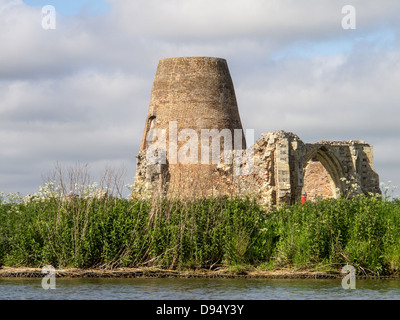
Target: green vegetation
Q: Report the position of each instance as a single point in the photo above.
(101, 231)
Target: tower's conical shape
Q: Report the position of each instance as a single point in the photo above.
(190, 96)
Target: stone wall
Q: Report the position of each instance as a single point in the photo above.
(283, 168)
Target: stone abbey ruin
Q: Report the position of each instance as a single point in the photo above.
(194, 146)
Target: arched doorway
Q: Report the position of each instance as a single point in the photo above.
(322, 173)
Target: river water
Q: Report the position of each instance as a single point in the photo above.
(197, 289)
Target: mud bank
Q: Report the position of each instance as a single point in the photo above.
(7, 272)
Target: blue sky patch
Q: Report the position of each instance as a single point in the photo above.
(379, 40)
(73, 7)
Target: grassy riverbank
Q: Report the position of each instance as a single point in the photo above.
(107, 232)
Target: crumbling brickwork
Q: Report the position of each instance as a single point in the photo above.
(197, 94)
(317, 181)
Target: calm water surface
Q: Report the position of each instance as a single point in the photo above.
(197, 289)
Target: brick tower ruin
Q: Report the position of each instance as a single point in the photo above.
(193, 127)
(191, 96)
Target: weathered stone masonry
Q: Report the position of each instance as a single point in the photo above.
(285, 167)
(198, 93)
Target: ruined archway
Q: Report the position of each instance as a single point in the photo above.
(322, 173)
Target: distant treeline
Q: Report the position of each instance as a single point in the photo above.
(106, 231)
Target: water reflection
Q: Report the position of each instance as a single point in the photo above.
(198, 289)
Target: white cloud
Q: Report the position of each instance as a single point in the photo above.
(182, 19)
(81, 92)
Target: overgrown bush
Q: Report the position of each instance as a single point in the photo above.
(362, 231)
(99, 229)
(119, 232)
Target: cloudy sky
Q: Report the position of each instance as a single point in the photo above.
(80, 92)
